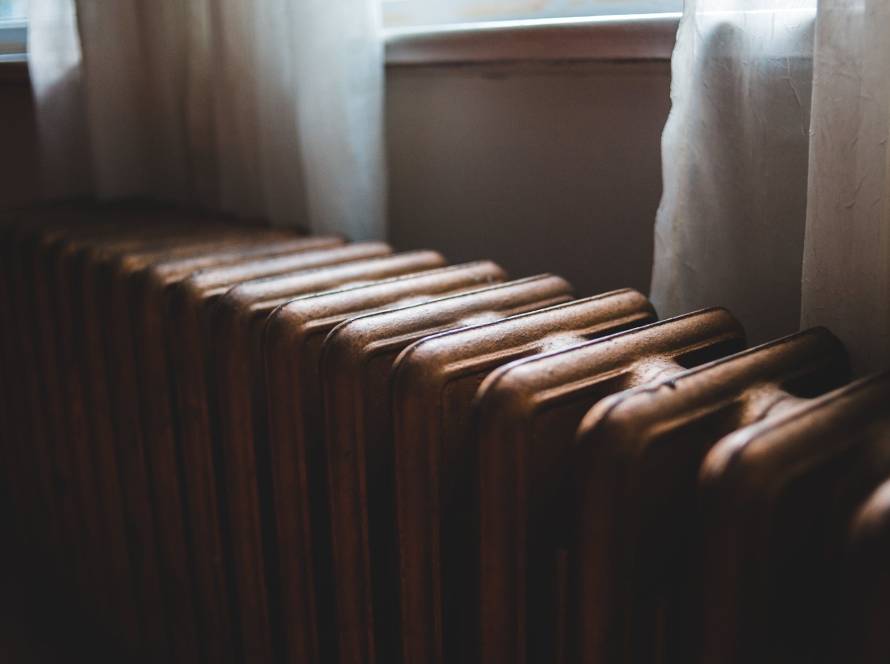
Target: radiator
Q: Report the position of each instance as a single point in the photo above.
(230, 443)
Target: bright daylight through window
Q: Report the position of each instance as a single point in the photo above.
(13, 29)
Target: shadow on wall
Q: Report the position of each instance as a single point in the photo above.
(541, 168)
(18, 140)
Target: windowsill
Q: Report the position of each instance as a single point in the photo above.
(598, 38)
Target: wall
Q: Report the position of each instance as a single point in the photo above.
(542, 168)
(18, 139)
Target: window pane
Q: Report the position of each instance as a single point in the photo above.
(13, 29)
(13, 9)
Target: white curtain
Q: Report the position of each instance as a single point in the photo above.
(268, 108)
(730, 226)
(778, 214)
(846, 259)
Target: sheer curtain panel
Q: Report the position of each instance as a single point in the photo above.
(846, 260)
(776, 178)
(269, 108)
(730, 225)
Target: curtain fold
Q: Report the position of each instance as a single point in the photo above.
(730, 225)
(846, 260)
(56, 74)
(269, 108)
(775, 160)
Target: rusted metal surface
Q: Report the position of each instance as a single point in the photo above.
(105, 435)
(187, 333)
(26, 418)
(635, 465)
(145, 380)
(61, 258)
(236, 349)
(355, 371)
(131, 330)
(21, 432)
(9, 448)
(30, 422)
(21, 402)
(20, 230)
(44, 268)
(294, 461)
(40, 359)
(98, 336)
(527, 414)
(864, 608)
(434, 383)
(231, 444)
(777, 501)
(23, 437)
(63, 323)
(86, 413)
(85, 270)
(357, 438)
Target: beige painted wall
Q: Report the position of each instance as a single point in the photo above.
(543, 168)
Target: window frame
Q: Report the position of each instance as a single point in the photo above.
(413, 13)
(621, 38)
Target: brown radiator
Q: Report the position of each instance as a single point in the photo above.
(228, 443)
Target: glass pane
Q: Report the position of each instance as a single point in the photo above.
(13, 29)
(13, 9)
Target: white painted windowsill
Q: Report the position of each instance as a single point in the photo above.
(627, 37)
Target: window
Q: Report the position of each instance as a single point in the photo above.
(13, 30)
(443, 32)
(404, 13)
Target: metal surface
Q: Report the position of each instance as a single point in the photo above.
(635, 465)
(434, 382)
(864, 606)
(65, 266)
(32, 410)
(236, 350)
(131, 329)
(40, 355)
(26, 431)
(98, 335)
(777, 499)
(226, 443)
(526, 417)
(145, 382)
(85, 411)
(52, 260)
(357, 436)
(187, 334)
(294, 467)
(97, 339)
(108, 351)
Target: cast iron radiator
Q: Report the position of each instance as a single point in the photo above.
(229, 443)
